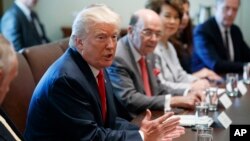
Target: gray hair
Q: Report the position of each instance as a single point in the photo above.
(220, 1)
(90, 15)
(7, 55)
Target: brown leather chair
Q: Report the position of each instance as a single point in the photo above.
(33, 62)
(41, 57)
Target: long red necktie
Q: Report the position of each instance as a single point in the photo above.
(102, 93)
(144, 73)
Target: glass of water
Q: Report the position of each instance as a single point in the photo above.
(232, 84)
(204, 133)
(201, 114)
(212, 98)
(246, 73)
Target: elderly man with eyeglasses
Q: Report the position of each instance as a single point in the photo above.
(132, 74)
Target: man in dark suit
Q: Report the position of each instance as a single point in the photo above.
(74, 102)
(21, 26)
(218, 43)
(136, 90)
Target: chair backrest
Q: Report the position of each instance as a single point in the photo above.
(33, 62)
(41, 57)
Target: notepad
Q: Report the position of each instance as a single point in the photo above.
(189, 120)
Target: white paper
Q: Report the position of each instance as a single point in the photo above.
(189, 120)
(242, 88)
(225, 100)
(224, 120)
(221, 91)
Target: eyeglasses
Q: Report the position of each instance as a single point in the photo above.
(149, 33)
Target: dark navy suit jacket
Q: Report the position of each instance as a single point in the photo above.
(66, 106)
(209, 50)
(19, 30)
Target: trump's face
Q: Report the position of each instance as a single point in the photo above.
(226, 11)
(99, 46)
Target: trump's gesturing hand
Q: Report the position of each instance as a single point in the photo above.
(164, 128)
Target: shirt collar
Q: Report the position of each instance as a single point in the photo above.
(221, 27)
(94, 71)
(24, 9)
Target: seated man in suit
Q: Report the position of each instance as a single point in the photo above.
(218, 43)
(132, 74)
(74, 99)
(21, 25)
(8, 71)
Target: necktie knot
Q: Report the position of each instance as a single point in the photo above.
(100, 75)
(142, 62)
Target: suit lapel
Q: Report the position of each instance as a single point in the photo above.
(218, 38)
(236, 47)
(27, 23)
(85, 69)
(169, 63)
(130, 59)
(111, 111)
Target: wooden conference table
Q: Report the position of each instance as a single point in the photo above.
(238, 112)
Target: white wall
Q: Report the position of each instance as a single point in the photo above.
(6, 4)
(57, 13)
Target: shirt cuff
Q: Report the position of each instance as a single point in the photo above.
(142, 135)
(167, 103)
(186, 91)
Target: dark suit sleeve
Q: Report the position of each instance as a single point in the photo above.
(11, 30)
(242, 47)
(204, 46)
(74, 109)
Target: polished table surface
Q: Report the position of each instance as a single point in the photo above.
(238, 112)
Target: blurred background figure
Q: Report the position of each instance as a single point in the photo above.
(132, 72)
(21, 25)
(171, 73)
(8, 71)
(218, 43)
(182, 39)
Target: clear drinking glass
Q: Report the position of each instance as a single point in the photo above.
(204, 133)
(201, 114)
(212, 98)
(246, 73)
(232, 84)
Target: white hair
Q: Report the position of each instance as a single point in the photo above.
(89, 16)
